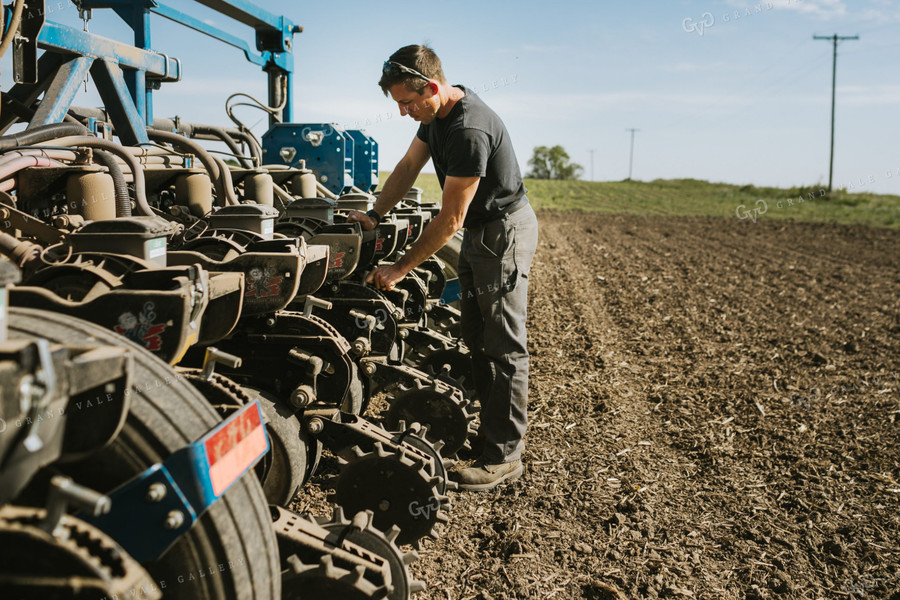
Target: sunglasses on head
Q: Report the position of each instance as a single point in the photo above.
(391, 67)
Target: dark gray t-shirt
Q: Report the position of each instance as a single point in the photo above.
(472, 141)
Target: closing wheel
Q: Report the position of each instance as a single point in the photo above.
(361, 532)
(325, 580)
(441, 409)
(416, 436)
(453, 366)
(230, 552)
(397, 489)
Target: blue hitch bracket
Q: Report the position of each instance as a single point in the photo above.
(152, 510)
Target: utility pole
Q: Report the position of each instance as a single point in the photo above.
(591, 152)
(834, 39)
(631, 154)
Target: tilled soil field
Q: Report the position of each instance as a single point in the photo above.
(714, 414)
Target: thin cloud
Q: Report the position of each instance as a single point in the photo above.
(869, 95)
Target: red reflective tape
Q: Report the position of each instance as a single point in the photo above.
(234, 448)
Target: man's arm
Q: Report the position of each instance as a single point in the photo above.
(398, 182)
(458, 194)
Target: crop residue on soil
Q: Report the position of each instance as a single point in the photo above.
(714, 414)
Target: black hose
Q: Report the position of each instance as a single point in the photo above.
(40, 134)
(23, 112)
(249, 139)
(223, 135)
(137, 173)
(224, 194)
(123, 199)
(211, 132)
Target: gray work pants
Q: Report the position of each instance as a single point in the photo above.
(493, 274)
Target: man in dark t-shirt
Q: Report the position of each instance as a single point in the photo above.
(483, 192)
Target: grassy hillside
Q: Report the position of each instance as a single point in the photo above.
(691, 197)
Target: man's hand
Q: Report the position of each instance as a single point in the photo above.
(385, 278)
(367, 222)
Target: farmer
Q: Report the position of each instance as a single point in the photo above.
(483, 193)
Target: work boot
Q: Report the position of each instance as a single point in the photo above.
(482, 476)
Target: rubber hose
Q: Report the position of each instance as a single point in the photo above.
(137, 174)
(223, 135)
(224, 192)
(226, 179)
(55, 154)
(23, 162)
(23, 112)
(123, 200)
(284, 196)
(251, 141)
(41, 134)
(212, 132)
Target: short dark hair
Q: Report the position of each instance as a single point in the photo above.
(422, 59)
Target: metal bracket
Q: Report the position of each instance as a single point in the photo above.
(171, 497)
(25, 65)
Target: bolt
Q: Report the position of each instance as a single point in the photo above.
(360, 346)
(370, 368)
(156, 492)
(404, 333)
(300, 398)
(315, 426)
(384, 505)
(174, 519)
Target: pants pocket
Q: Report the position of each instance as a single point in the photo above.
(492, 239)
(509, 269)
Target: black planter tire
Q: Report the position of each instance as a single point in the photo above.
(231, 551)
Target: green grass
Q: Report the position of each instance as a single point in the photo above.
(695, 198)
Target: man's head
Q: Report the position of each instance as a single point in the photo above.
(413, 77)
(413, 66)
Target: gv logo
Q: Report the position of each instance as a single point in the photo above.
(381, 317)
(706, 20)
(743, 212)
(424, 510)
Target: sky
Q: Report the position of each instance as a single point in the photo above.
(723, 90)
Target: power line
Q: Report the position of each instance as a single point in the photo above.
(835, 39)
(631, 154)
